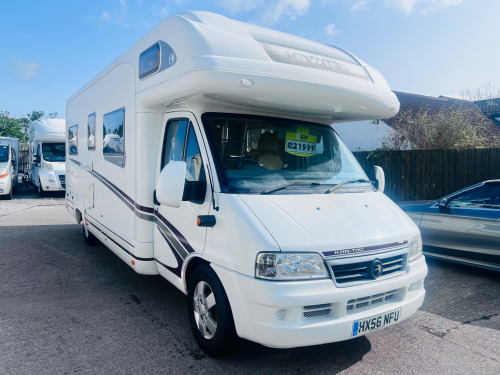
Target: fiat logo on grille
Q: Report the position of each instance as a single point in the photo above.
(376, 269)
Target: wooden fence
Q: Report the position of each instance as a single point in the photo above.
(430, 174)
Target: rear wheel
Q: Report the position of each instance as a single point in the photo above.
(210, 315)
(88, 237)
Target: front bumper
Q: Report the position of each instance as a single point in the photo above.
(5, 185)
(52, 180)
(273, 313)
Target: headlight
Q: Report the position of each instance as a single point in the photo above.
(290, 266)
(47, 166)
(415, 245)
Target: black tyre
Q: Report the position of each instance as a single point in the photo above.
(210, 315)
(41, 192)
(9, 196)
(88, 237)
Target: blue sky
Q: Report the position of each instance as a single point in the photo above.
(49, 48)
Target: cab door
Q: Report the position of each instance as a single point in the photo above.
(176, 232)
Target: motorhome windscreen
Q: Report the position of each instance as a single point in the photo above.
(263, 155)
(4, 154)
(54, 152)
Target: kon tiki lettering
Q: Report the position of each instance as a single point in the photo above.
(319, 61)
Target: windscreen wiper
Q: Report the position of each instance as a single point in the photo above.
(340, 184)
(270, 191)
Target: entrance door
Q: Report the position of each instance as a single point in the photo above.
(176, 233)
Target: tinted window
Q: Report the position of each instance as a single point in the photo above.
(113, 132)
(54, 152)
(487, 196)
(4, 154)
(91, 131)
(149, 61)
(72, 139)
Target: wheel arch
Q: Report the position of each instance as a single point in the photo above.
(189, 266)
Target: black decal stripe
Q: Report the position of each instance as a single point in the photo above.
(144, 208)
(142, 212)
(129, 253)
(95, 226)
(360, 250)
(109, 230)
(130, 200)
(174, 230)
(110, 187)
(177, 270)
(172, 239)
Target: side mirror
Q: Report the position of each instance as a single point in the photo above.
(442, 204)
(170, 186)
(380, 177)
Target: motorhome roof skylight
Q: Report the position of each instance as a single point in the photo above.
(149, 61)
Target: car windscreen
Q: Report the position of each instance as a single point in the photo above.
(4, 154)
(54, 152)
(259, 154)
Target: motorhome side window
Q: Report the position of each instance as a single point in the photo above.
(73, 139)
(177, 148)
(113, 133)
(149, 61)
(91, 132)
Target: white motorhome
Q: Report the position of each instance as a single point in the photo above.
(47, 145)
(205, 154)
(9, 166)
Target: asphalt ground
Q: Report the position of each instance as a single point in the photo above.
(69, 308)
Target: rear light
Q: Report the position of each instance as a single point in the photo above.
(4, 175)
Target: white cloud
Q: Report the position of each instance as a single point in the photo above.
(285, 8)
(105, 16)
(23, 71)
(331, 30)
(237, 6)
(118, 17)
(423, 6)
(359, 6)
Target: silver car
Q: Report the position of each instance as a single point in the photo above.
(463, 227)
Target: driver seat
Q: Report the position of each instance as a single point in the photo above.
(268, 148)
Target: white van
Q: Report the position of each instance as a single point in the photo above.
(9, 166)
(227, 179)
(47, 145)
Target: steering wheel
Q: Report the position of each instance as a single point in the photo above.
(242, 160)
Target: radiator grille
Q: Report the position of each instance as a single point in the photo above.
(62, 180)
(361, 272)
(369, 301)
(317, 310)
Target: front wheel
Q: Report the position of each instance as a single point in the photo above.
(210, 315)
(41, 192)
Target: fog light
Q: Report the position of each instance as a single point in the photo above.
(280, 314)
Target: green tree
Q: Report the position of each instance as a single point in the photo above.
(457, 128)
(11, 126)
